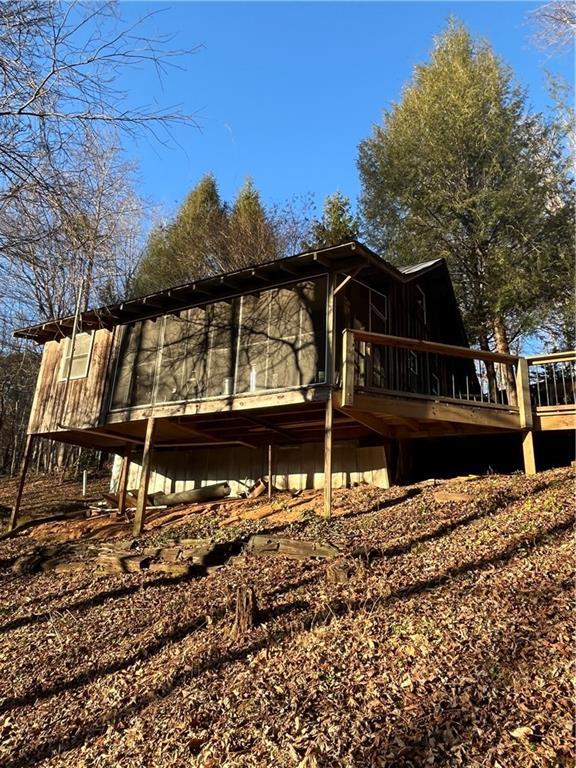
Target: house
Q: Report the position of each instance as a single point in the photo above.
(304, 368)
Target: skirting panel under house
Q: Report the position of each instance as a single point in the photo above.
(296, 467)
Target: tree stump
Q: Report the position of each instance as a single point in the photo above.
(338, 572)
(246, 611)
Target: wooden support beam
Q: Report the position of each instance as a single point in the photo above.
(113, 436)
(528, 453)
(341, 265)
(256, 275)
(348, 368)
(370, 422)
(526, 416)
(123, 482)
(20, 491)
(328, 435)
(330, 369)
(429, 409)
(348, 278)
(144, 478)
(270, 469)
(523, 394)
(194, 432)
(286, 266)
(261, 423)
(554, 421)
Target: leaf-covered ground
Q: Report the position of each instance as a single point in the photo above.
(450, 645)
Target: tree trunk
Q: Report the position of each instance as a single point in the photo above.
(490, 370)
(502, 346)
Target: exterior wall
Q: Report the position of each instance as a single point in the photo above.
(83, 397)
(297, 467)
(420, 309)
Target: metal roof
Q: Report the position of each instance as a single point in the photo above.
(424, 266)
(339, 258)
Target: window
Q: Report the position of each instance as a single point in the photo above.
(421, 305)
(80, 356)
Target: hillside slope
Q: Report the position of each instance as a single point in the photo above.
(449, 645)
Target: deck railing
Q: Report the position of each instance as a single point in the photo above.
(413, 367)
(552, 380)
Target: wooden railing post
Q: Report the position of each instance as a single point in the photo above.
(144, 478)
(20, 491)
(523, 394)
(348, 368)
(526, 416)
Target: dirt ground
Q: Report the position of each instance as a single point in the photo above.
(48, 495)
(449, 644)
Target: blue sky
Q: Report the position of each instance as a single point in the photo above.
(285, 91)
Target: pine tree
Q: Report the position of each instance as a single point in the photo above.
(190, 247)
(337, 225)
(460, 168)
(208, 237)
(251, 238)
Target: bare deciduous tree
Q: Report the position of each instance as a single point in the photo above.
(556, 24)
(51, 244)
(59, 68)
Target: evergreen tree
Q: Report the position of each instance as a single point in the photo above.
(337, 225)
(251, 236)
(207, 237)
(188, 248)
(460, 168)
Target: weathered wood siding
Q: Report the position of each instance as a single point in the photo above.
(78, 405)
(417, 310)
(296, 467)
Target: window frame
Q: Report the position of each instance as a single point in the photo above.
(65, 363)
(422, 304)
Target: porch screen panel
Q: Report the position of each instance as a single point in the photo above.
(312, 341)
(253, 346)
(284, 333)
(145, 362)
(182, 370)
(122, 394)
(282, 339)
(220, 320)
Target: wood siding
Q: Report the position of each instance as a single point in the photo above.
(84, 398)
(296, 467)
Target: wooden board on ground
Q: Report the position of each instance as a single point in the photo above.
(172, 569)
(275, 546)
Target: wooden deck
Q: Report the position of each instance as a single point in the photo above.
(501, 393)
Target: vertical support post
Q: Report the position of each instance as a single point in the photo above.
(525, 414)
(123, 483)
(331, 370)
(270, 468)
(328, 457)
(144, 478)
(84, 482)
(20, 491)
(528, 453)
(348, 372)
